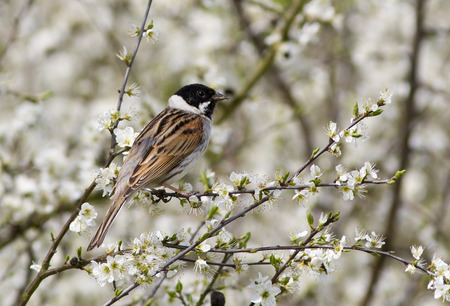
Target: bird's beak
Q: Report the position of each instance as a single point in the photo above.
(219, 97)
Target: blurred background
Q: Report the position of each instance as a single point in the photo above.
(286, 78)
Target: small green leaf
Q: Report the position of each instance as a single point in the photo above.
(118, 292)
(244, 239)
(204, 237)
(376, 113)
(399, 174)
(227, 215)
(315, 152)
(336, 216)
(79, 252)
(179, 287)
(310, 218)
(275, 262)
(355, 110)
(356, 135)
(172, 294)
(212, 211)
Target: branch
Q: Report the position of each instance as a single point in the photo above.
(265, 63)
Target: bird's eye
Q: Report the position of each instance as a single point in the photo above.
(201, 93)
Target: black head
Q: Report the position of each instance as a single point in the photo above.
(198, 97)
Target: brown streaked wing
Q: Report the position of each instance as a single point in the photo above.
(170, 146)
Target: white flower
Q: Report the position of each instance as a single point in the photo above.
(201, 266)
(335, 149)
(36, 267)
(301, 195)
(323, 218)
(150, 33)
(105, 121)
(204, 247)
(340, 247)
(105, 178)
(133, 90)
(85, 219)
(224, 237)
(102, 273)
(360, 234)
(441, 268)
(368, 169)
(385, 97)
(239, 180)
(259, 181)
(124, 56)
(333, 132)
(374, 241)
(441, 288)
(315, 171)
(295, 234)
(347, 192)
(410, 269)
(265, 292)
(238, 258)
(416, 251)
(223, 190)
(125, 137)
(87, 212)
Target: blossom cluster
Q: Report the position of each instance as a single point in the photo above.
(440, 281)
(107, 120)
(369, 240)
(358, 130)
(140, 265)
(105, 178)
(85, 219)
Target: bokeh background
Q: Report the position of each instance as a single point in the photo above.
(59, 72)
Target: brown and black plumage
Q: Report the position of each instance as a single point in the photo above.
(165, 149)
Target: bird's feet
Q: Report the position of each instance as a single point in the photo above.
(183, 193)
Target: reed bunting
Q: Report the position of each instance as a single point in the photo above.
(165, 150)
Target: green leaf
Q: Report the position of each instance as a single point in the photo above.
(212, 211)
(244, 239)
(172, 294)
(118, 292)
(315, 152)
(310, 218)
(204, 237)
(275, 262)
(336, 216)
(376, 113)
(179, 287)
(356, 110)
(79, 252)
(399, 174)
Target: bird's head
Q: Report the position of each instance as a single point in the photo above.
(196, 98)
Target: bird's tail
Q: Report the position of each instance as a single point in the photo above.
(111, 215)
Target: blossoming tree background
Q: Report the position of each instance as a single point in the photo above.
(300, 183)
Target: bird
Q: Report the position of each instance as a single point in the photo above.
(165, 150)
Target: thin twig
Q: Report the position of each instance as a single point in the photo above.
(155, 289)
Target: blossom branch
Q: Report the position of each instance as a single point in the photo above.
(128, 71)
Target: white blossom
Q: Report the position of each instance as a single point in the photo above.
(265, 292)
(125, 137)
